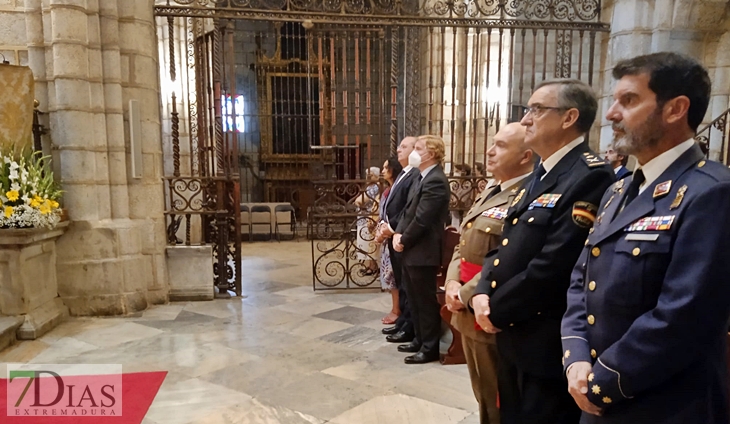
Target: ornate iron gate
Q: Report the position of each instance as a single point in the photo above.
(302, 96)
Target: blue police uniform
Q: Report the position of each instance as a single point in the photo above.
(649, 299)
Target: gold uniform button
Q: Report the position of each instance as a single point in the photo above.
(512, 325)
(494, 284)
(488, 229)
(531, 219)
(514, 221)
(463, 242)
(505, 242)
(496, 262)
(463, 260)
(468, 225)
(596, 252)
(592, 285)
(701, 164)
(636, 251)
(593, 353)
(591, 319)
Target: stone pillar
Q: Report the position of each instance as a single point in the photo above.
(102, 53)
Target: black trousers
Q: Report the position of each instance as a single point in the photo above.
(404, 322)
(420, 282)
(529, 399)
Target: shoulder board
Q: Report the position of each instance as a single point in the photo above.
(715, 170)
(592, 160)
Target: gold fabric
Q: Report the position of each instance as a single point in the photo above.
(16, 108)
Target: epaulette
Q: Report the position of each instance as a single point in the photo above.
(713, 169)
(592, 160)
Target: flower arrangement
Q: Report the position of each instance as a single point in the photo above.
(28, 194)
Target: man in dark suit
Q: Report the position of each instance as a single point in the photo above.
(618, 163)
(521, 295)
(395, 205)
(644, 335)
(419, 235)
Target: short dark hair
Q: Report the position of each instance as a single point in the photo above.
(575, 94)
(466, 169)
(672, 75)
(479, 167)
(394, 166)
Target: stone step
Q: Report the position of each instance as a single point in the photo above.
(8, 327)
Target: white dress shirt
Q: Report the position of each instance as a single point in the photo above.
(553, 160)
(509, 183)
(655, 167)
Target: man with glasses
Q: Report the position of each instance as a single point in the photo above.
(521, 295)
(649, 301)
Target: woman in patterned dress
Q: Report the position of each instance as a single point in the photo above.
(391, 169)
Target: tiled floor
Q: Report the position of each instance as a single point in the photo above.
(281, 354)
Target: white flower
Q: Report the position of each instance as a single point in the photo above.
(14, 165)
(13, 175)
(15, 186)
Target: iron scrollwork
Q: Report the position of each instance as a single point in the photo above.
(341, 226)
(562, 10)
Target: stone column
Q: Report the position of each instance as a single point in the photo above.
(140, 81)
(103, 53)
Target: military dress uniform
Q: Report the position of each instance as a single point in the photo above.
(649, 300)
(481, 231)
(527, 278)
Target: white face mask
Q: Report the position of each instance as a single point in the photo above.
(414, 159)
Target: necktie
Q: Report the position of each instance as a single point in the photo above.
(633, 190)
(536, 177)
(494, 192)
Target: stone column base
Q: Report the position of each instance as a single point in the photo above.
(190, 270)
(42, 319)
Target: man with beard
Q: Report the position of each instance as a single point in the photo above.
(618, 163)
(644, 336)
(521, 293)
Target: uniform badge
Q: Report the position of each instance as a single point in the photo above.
(545, 201)
(662, 189)
(618, 186)
(584, 214)
(495, 213)
(680, 196)
(609, 202)
(652, 223)
(518, 198)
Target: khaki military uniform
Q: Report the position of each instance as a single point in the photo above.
(481, 231)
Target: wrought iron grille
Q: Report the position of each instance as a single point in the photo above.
(286, 92)
(714, 139)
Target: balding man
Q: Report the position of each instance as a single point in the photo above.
(510, 162)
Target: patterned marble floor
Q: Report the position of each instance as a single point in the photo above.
(281, 354)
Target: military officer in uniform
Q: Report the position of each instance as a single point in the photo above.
(510, 162)
(521, 295)
(644, 336)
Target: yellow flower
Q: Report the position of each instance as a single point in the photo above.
(12, 195)
(54, 204)
(45, 209)
(37, 198)
(35, 203)
(8, 211)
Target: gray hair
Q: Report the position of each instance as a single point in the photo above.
(576, 94)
